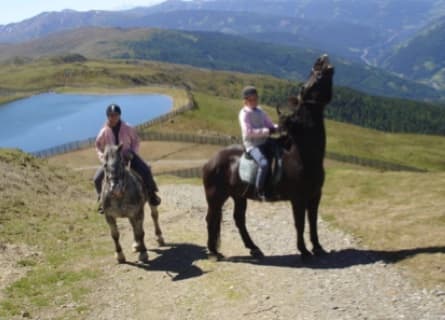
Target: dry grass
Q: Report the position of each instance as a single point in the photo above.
(401, 213)
(162, 156)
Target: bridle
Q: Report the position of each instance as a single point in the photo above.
(115, 176)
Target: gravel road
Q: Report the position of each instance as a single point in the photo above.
(351, 282)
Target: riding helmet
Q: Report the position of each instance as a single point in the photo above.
(113, 108)
(249, 91)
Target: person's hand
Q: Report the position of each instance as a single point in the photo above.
(274, 130)
(128, 156)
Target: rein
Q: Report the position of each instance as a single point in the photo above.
(120, 187)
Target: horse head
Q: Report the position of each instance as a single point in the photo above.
(318, 88)
(314, 95)
(114, 170)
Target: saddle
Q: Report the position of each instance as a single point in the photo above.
(248, 168)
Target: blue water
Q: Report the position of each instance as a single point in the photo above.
(47, 120)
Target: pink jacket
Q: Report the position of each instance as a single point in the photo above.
(255, 126)
(128, 137)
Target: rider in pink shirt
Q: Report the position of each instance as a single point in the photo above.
(256, 127)
(115, 131)
(127, 137)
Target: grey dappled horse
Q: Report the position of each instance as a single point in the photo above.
(124, 196)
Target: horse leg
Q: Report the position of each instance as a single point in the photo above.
(158, 231)
(298, 208)
(239, 214)
(213, 218)
(138, 232)
(115, 235)
(313, 217)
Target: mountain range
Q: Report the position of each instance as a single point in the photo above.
(401, 36)
(213, 51)
(350, 28)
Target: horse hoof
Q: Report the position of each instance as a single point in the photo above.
(306, 256)
(256, 253)
(143, 257)
(215, 256)
(120, 257)
(319, 251)
(161, 242)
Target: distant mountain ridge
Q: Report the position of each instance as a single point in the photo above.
(358, 29)
(214, 51)
(423, 57)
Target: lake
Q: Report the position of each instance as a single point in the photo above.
(47, 120)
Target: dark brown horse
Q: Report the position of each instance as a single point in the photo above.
(304, 143)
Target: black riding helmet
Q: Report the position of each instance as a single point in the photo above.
(113, 108)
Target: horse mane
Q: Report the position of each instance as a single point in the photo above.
(300, 116)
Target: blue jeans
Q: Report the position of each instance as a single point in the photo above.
(263, 168)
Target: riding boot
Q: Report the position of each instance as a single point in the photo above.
(260, 182)
(152, 188)
(144, 171)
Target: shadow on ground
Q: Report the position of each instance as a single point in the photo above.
(337, 259)
(176, 259)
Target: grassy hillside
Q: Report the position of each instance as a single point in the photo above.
(217, 95)
(216, 51)
(397, 215)
(218, 115)
(46, 210)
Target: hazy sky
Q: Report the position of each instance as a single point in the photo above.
(18, 10)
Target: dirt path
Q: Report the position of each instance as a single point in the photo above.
(180, 283)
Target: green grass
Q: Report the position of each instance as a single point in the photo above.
(42, 287)
(421, 151)
(50, 210)
(214, 115)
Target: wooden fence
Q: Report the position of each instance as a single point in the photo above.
(90, 142)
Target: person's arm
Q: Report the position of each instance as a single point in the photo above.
(247, 130)
(100, 144)
(268, 123)
(135, 141)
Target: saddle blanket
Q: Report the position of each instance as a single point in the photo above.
(248, 169)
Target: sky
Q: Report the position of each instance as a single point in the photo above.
(18, 10)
